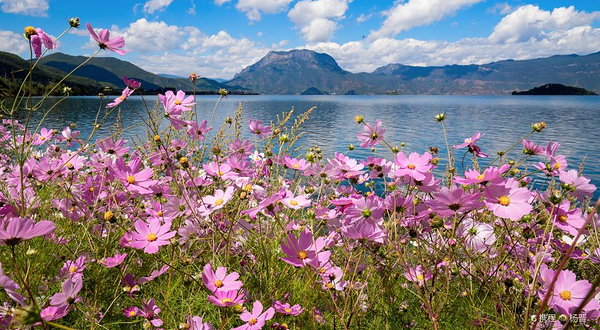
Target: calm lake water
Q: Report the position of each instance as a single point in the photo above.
(572, 121)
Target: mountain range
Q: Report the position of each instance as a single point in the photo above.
(302, 71)
(295, 71)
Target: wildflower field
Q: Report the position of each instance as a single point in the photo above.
(250, 230)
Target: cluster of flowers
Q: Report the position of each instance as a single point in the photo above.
(343, 225)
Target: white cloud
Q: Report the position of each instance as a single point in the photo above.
(13, 42)
(530, 21)
(253, 8)
(363, 18)
(365, 56)
(145, 36)
(25, 7)
(502, 8)
(317, 19)
(192, 9)
(156, 5)
(407, 15)
(220, 2)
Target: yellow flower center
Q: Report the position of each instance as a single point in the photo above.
(159, 213)
(72, 209)
(295, 166)
(252, 321)
(557, 166)
(131, 179)
(42, 138)
(562, 218)
(219, 201)
(411, 166)
(108, 215)
(69, 165)
(504, 200)
(566, 295)
(468, 140)
(293, 202)
(73, 269)
(288, 310)
(178, 102)
(480, 177)
(156, 138)
(218, 283)
(330, 285)
(302, 255)
(226, 300)
(420, 277)
(29, 31)
(220, 173)
(132, 313)
(152, 237)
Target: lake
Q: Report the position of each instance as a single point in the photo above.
(573, 121)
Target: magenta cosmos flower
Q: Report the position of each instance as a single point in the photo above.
(470, 143)
(508, 200)
(227, 298)
(255, 320)
(151, 236)
(371, 135)
(220, 280)
(196, 323)
(578, 186)
(133, 179)
(415, 166)
(69, 293)
(567, 291)
(21, 229)
(124, 95)
(256, 127)
(38, 37)
(286, 309)
(104, 41)
(418, 275)
(450, 201)
(299, 252)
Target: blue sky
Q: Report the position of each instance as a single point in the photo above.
(218, 38)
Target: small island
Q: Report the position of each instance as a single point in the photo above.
(555, 89)
(313, 91)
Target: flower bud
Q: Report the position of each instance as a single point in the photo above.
(440, 117)
(359, 119)
(193, 77)
(29, 31)
(395, 149)
(26, 315)
(538, 127)
(228, 120)
(283, 138)
(351, 147)
(74, 22)
(223, 92)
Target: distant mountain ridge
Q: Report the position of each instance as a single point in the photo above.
(292, 72)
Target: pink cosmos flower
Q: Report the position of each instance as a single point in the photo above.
(297, 202)
(196, 323)
(74, 269)
(219, 199)
(286, 309)
(132, 83)
(299, 251)
(44, 136)
(344, 167)
(508, 200)
(104, 41)
(112, 262)
(565, 219)
(529, 148)
(151, 236)
(39, 38)
(414, 166)
(133, 179)
(365, 230)
(554, 163)
(491, 174)
(418, 275)
(256, 127)
(567, 291)
(11, 288)
(371, 135)
(226, 298)
(332, 279)
(255, 319)
(470, 143)
(364, 209)
(21, 229)
(578, 186)
(69, 293)
(52, 313)
(295, 164)
(150, 311)
(220, 280)
(450, 201)
(198, 130)
(175, 105)
(478, 236)
(124, 95)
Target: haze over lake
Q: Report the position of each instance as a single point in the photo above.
(572, 121)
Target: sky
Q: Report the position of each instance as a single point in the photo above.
(218, 38)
